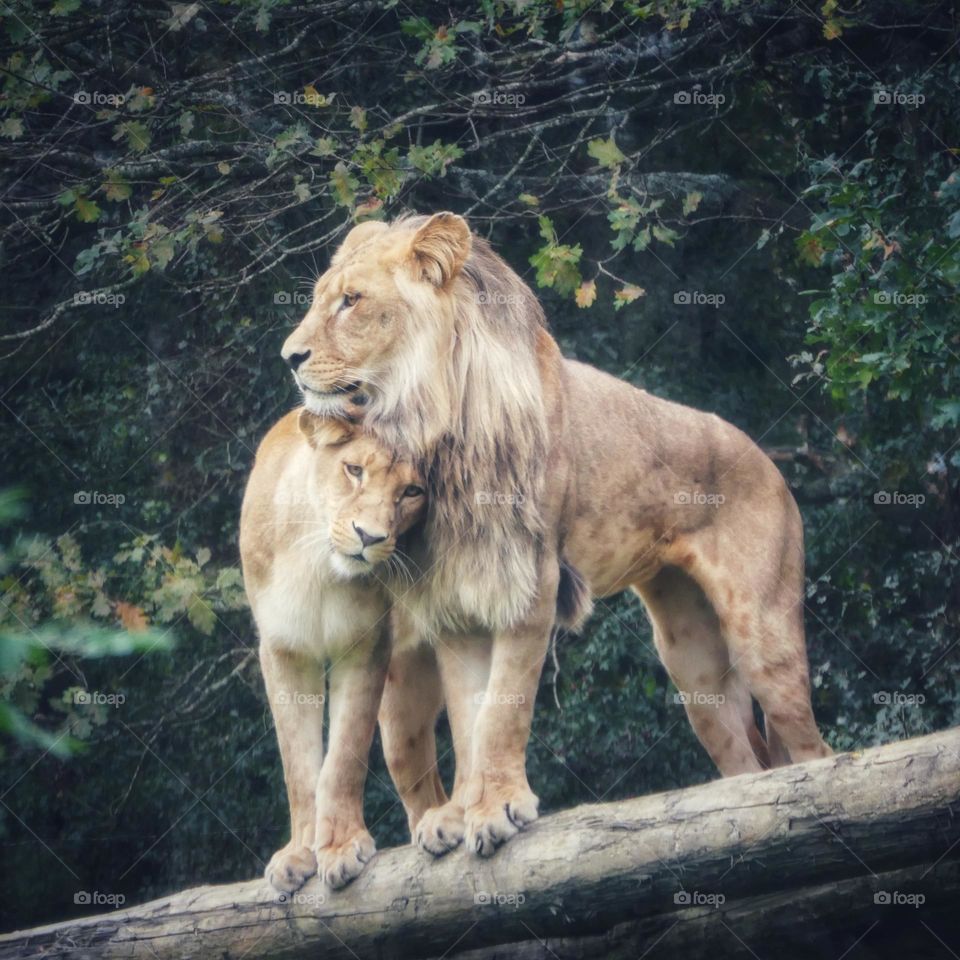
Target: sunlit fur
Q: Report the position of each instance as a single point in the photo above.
(443, 344)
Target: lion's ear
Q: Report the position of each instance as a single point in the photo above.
(324, 431)
(359, 235)
(440, 248)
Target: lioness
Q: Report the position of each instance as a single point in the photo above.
(424, 331)
(323, 510)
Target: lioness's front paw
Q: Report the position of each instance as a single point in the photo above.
(339, 863)
(441, 829)
(503, 812)
(290, 868)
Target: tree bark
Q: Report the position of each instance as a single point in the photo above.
(806, 860)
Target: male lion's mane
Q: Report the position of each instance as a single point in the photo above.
(476, 421)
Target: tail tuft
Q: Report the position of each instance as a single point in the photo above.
(574, 604)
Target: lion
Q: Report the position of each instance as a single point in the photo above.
(324, 510)
(548, 481)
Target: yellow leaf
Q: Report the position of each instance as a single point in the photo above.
(586, 293)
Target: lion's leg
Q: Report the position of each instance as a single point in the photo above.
(497, 798)
(342, 843)
(295, 686)
(464, 662)
(690, 644)
(760, 605)
(412, 700)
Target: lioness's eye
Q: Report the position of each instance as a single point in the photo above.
(349, 299)
(354, 469)
(414, 491)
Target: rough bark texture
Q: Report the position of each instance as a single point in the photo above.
(791, 860)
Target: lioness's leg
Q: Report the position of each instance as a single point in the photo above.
(464, 662)
(498, 800)
(342, 843)
(689, 641)
(295, 686)
(412, 701)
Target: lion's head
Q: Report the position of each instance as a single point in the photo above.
(371, 497)
(422, 332)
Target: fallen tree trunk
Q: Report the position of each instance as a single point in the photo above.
(839, 848)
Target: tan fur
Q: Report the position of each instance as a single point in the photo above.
(316, 594)
(533, 460)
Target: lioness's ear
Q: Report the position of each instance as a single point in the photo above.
(359, 235)
(324, 431)
(440, 248)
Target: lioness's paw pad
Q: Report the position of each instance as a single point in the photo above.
(290, 868)
(341, 863)
(441, 829)
(493, 822)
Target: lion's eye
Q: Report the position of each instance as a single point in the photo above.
(354, 469)
(412, 490)
(349, 299)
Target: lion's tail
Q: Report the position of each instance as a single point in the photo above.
(574, 604)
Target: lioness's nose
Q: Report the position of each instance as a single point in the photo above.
(367, 539)
(295, 359)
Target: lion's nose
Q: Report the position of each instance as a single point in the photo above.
(367, 539)
(295, 359)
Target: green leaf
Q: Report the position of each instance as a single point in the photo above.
(691, 201)
(86, 210)
(11, 128)
(606, 153)
(344, 185)
(136, 134)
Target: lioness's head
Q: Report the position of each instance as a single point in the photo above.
(373, 496)
(381, 314)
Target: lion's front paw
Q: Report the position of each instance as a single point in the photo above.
(503, 812)
(290, 868)
(339, 862)
(441, 829)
